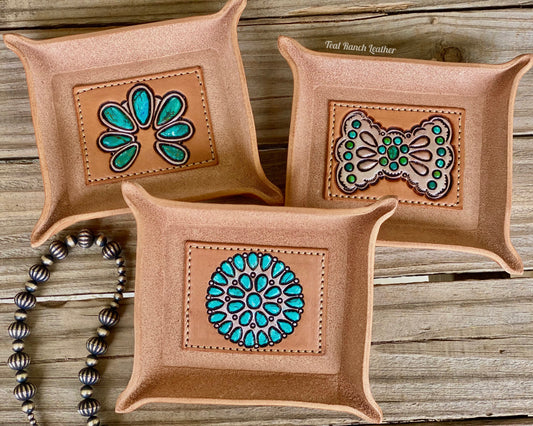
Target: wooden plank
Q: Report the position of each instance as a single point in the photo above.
(441, 351)
(269, 77)
(42, 13)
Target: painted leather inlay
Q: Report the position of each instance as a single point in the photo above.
(254, 298)
(150, 125)
(371, 155)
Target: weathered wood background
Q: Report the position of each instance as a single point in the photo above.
(453, 336)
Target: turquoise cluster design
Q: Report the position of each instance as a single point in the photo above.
(144, 110)
(254, 300)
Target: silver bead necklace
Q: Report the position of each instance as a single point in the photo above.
(97, 346)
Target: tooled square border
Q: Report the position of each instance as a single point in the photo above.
(332, 143)
(200, 82)
(287, 251)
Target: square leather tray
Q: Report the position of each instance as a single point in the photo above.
(437, 135)
(253, 305)
(163, 103)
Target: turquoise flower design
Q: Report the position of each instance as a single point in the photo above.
(254, 300)
(143, 110)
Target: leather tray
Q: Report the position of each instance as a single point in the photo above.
(163, 103)
(436, 135)
(253, 305)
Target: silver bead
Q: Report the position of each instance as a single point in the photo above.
(114, 305)
(91, 360)
(86, 391)
(24, 391)
(108, 317)
(71, 241)
(20, 315)
(25, 300)
(121, 270)
(58, 250)
(111, 250)
(100, 240)
(28, 407)
(47, 260)
(21, 376)
(18, 361)
(122, 279)
(93, 421)
(18, 330)
(31, 286)
(17, 345)
(102, 332)
(89, 376)
(96, 346)
(117, 297)
(120, 288)
(39, 273)
(88, 407)
(85, 238)
(119, 261)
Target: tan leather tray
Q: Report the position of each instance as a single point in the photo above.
(165, 104)
(436, 135)
(253, 305)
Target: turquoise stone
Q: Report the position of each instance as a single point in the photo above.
(404, 149)
(219, 278)
(245, 318)
(238, 261)
(439, 140)
(262, 338)
(266, 260)
(272, 308)
(348, 155)
(234, 307)
(217, 317)
(349, 167)
(432, 184)
(274, 334)
(176, 131)
(393, 166)
(292, 315)
(279, 267)
(117, 117)
(352, 134)
(350, 145)
(440, 162)
(287, 277)
(436, 130)
(174, 152)
(215, 291)
(253, 260)
(225, 327)
(293, 290)
(141, 105)
(249, 339)
(253, 301)
(227, 269)
(437, 174)
(397, 140)
(393, 152)
(403, 161)
(382, 149)
(351, 178)
(125, 157)
(169, 110)
(441, 152)
(261, 282)
(356, 124)
(214, 304)
(115, 141)
(285, 326)
(260, 319)
(235, 292)
(295, 302)
(272, 292)
(236, 335)
(245, 281)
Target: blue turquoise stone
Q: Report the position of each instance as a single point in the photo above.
(352, 134)
(214, 304)
(217, 317)
(292, 315)
(117, 118)
(174, 152)
(274, 334)
(397, 140)
(236, 335)
(441, 152)
(287, 277)
(262, 338)
(266, 260)
(141, 105)
(440, 162)
(295, 302)
(215, 291)
(238, 261)
(272, 292)
(432, 184)
(249, 339)
(227, 269)
(272, 308)
(115, 141)
(436, 130)
(285, 326)
(235, 292)
(279, 267)
(261, 282)
(234, 307)
(245, 318)
(176, 131)
(245, 281)
(125, 157)
(293, 290)
(261, 319)
(169, 110)
(219, 278)
(225, 327)
(254, 301)
(253, 260)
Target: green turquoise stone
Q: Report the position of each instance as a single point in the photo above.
(292, 315)
(393, 152)
(440, 162)
(260, 319)
(382, 149)
(348, 155)
(225, 327)
(169, 110)
(351, 178)
(115, 141)
(404, 149)
(356, 124)
(253, 301)
(141, 105)
(393, 166)
(383, 161)
(272, 292)
(214, 304)
(272, 308)
(174, 152)
(432, 184)
(398, 140)
(262, 338)
(403, 161)
(387, 140)
(274, 334)
(439, 140)
(441, 152)
(125, 157)
(349, 167)
(285, 326)
(236, 335)
(245, 318)
(249, 339)
(176, 131)
(350, 145)
(437, 174)
(219, 316)
(115, 116)
(352, 134)
(436, 130)
(234, 307)
(261, 282)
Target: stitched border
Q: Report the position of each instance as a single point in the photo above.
(332, 147)
(138, 80)
(265, 250)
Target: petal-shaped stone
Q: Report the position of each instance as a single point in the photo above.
(217, 317)
(115, 140)
(366, 165)
(419, 168)
(266, 260)
(287, 277)
(114, 116)
(125, 158)
(295, 302)
(293, 290)
(225, 327)
(178, 131)
(253, 260)
(261, 282)
(274, 334)
(174, 153)
(292, 315)
(285, 326)
(214, 304)
(245, 318)
(236, 335)
(262, 338)
(249, 339)
(219, 278)
(227, 268)
(235, 292)
(215, 291)
(234, 307)
(238, 261)
(246, 282)
(142, 105)
(261, 319)
(172, 107)
(278, 268)
(272, 292)
(272, 308)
